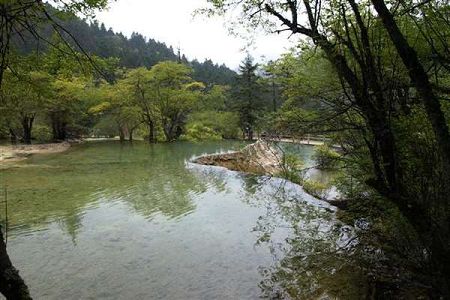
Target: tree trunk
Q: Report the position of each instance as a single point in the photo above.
(151, 132)
(12, 286)
(130, 135)
(385, 145)
(420, 80)
(27, 126)
(13, 136)
(274, 98)
(59, 129)
(250, 134)
(170, 130)
(121, 134)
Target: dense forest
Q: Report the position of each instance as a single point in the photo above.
(372, 77)
(84, 80)
(132, 52)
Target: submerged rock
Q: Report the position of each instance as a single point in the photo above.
(257, 158)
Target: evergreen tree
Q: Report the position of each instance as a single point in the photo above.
(248, 96)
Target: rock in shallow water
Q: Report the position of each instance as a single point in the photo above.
(258, 158)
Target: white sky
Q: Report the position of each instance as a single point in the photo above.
(172, 22)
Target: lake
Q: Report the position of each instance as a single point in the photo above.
(106, 220)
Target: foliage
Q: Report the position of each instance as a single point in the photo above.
(372, 75)
(199, 132)
(315, 188)
(325, 157)
(224, 124)
(42, 133)
(291, 168)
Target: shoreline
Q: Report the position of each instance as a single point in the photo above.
(259, 159)
(308, 142)
(20, 152)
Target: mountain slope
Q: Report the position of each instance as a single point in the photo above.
(135, 51)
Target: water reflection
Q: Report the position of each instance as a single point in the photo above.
(138, 222)
(151, 178)
(311, 251)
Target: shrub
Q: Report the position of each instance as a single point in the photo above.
(326, 158)
(223, 124)
(42, 133)
(198, 132)
(317, 189)
(291, 168)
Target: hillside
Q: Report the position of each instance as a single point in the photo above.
(134, 51)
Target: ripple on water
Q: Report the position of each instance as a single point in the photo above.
(144, 223)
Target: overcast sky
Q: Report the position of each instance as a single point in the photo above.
(171, 22)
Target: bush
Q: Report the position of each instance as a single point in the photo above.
(222, 124)
(326, 158)
(291, 168)
(317, 189)
(199, 132)
(42, 133)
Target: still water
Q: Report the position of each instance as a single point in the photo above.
(135, 221)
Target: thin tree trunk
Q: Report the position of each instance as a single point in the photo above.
(27, 126)
(58, 128)
(151, 132)
(13, 136)
(250, 134)
(12, 286)
(130, 135)
(121, 134)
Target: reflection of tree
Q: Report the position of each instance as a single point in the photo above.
(308, 247)
(211, 176)
(169, 196)
(72, 223)
(251, 183)
(150, 178)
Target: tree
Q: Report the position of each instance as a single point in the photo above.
(248, 96)
(375, 65)
(175, 95)
(117, 103)
(137, 82)
(419, 79)
(24, 93)
(18, 18)
(67, 107)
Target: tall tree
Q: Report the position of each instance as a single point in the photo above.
(17, 17)
(419, 78)
(175, 95)
(138, 83)
(248, 96)
(366, 60)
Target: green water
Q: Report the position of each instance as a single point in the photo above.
(112, 221)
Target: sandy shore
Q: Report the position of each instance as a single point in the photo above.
(14, 153)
